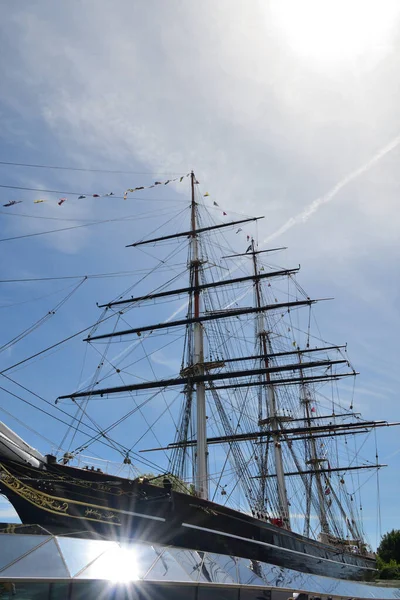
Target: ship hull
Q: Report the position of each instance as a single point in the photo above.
(84, 502)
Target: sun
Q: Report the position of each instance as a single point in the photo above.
(122, 565)
(335, 30)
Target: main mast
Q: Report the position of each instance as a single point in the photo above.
(316, 465)
(273, 420)
(201, 482)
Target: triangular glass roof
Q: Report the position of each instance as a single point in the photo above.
(167, 568)
(15, 546)
(79, 553)
(43, 562)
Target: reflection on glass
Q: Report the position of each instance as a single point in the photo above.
(44, 561)
(228, 564)
(167, 568)
(14, 546)
(120, 564)
(78, 553)
(191, 561)
(247, 574)
(213, 568)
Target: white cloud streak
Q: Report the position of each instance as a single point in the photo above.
(305, 214)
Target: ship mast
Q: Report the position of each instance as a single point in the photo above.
(201, 482)
(273, 420)
(275, 369)
(315, 463)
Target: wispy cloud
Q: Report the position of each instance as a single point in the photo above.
(306, 213)
(170, 362)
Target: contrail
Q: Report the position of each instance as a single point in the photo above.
(313, 207)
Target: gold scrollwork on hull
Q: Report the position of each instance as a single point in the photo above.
(38, 498)
(73, 508)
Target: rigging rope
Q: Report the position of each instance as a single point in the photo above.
(42, 320)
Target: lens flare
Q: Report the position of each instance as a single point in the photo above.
(335, 30)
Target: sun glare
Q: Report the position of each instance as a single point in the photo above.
(335, 30)
(122, 565)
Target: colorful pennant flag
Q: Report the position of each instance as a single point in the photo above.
(60, 201)
(12, 202)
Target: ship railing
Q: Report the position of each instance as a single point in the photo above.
(110, 467)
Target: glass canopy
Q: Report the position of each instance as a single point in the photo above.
(36, 564)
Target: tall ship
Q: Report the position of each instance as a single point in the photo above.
(251, 454)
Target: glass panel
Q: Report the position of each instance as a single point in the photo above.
(78, 553)
(191, 561)
(119, 564)
(146, 556)
(167, 568)
(271, 574)
(228, 564)
(288, 578)
(250, 572)
(45, 561)
(213, 570)
(14, 546)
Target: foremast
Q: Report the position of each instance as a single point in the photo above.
(197, 366)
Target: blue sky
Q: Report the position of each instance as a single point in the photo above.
(277, 110)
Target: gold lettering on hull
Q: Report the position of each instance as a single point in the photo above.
(108, 516)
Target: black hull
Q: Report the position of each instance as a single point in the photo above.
(69, 500)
